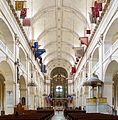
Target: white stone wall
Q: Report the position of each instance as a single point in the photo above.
(9, 53)
(106, 67)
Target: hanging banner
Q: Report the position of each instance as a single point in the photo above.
(88, 31)
(95, 12)
(79, 52)
(74, 69)
(92, 19)
(35, 45)
(39, 52)
(27, 22)
(23, 13)
(84, 40)
(19, 5)
(98, 6)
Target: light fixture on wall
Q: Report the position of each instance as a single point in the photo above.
(9, 92)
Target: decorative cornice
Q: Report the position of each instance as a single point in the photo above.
(100, 19)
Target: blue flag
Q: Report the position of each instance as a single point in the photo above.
(35, 45)
(39, 52)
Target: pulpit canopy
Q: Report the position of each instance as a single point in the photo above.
(93, 81)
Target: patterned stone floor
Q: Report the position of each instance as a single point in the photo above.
(58, 116)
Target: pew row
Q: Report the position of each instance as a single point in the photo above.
(82, 115)
(30, 115)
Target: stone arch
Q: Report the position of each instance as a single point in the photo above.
(6, 36)
(2, 90)
(111, 35)
(23, 90)
(7, 86)
(111, 84)
(7, 70)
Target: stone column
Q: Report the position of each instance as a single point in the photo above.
(108, 92)
(9, 97)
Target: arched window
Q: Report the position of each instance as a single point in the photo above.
(59, 89)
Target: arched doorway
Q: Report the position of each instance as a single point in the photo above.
(23, 90)
(6, 88)
(59, 87)
(115, 91)
(111, 84)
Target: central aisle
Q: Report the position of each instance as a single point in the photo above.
(58, 116)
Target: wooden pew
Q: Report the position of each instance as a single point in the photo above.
(21, 114)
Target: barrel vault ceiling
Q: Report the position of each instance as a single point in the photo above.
(57, 25)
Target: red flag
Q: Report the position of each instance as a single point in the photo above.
(95, 12)
(95, 3)
(88, 31)
(92, 19)
(73, 69)
(27, 22)
(98, 5)
(84, 40)
(23, 13)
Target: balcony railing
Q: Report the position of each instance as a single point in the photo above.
(6, 50)
(111, 50)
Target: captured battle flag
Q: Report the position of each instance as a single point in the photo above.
(23, 13)
(84, 40)
(19, 5)
(27, 22)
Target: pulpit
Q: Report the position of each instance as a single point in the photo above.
(96, 103)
